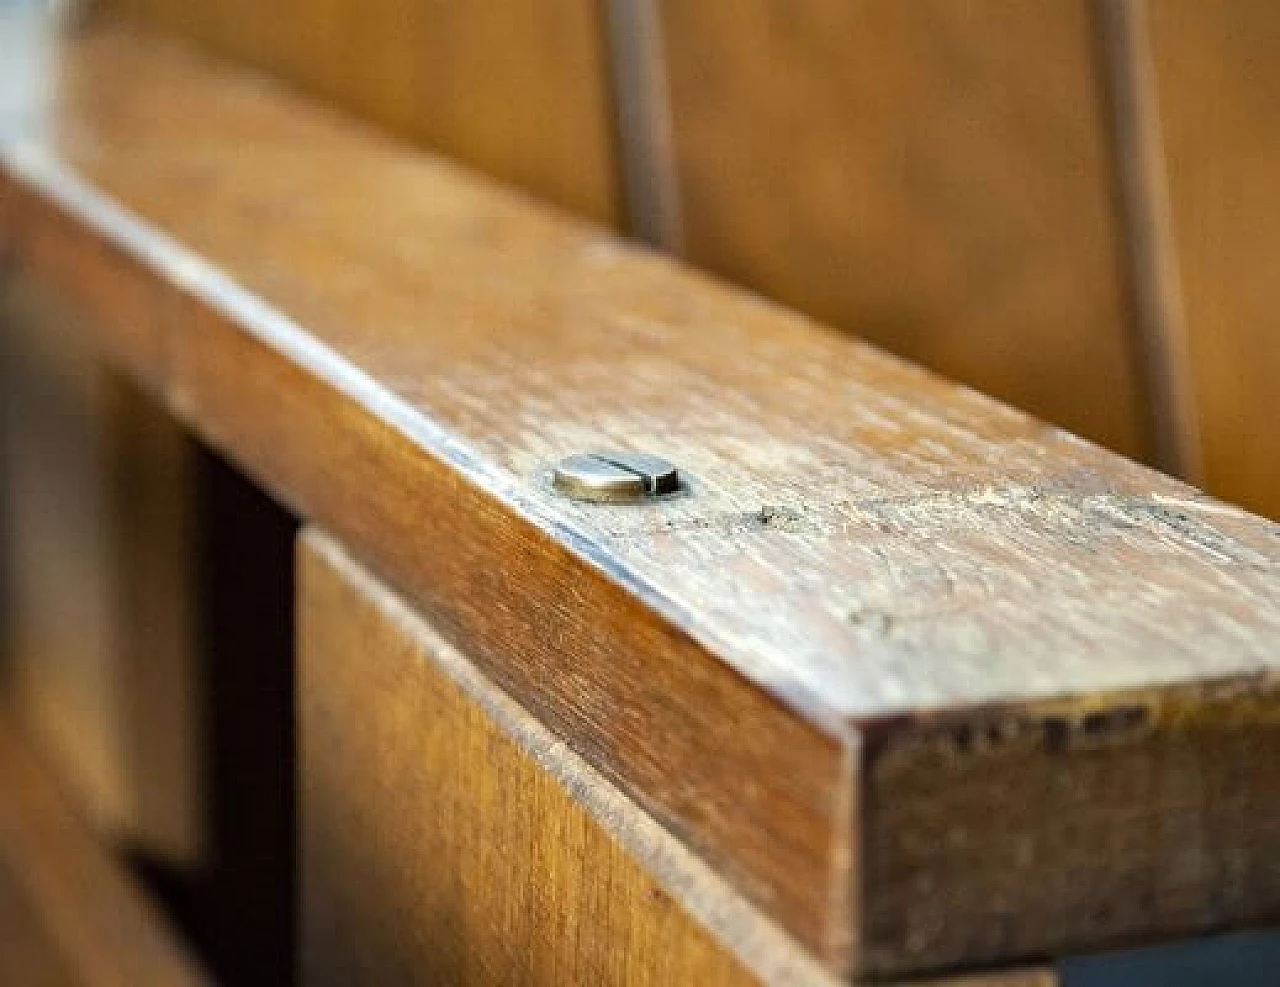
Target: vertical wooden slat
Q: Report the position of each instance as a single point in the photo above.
(1218, 81)
(652, 205)
(448, 837)
(1159, 325)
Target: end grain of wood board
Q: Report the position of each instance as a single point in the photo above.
(86, 910)
(448, 837)
(932, 683)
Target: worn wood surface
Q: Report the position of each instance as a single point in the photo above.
(518, 88)
(1218, 85)
(69, 896)
(935, 177)
(881, 592)
(448, 837)
(101, 662)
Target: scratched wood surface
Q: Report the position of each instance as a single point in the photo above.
(515, 88)
(936, 177)
(448, 837)
(69, 914)
(1218, 85)
(100, 661)
(880, 593)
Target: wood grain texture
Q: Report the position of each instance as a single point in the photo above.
(1026, 790)
(1218, 85)
(1009, 978)
(935, 177)
(518, 89)
(102, 664)
(881, 592)
(448, 837)
(73, 895)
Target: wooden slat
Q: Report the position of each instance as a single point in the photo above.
(644, 122)
(1160, 322)
(1218, 84)
(101, 662)
(936, 177)
(72, 896)
(518, 89)
(448, 837)
(932, 683)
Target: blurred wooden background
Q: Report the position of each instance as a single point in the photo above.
(1072, 206)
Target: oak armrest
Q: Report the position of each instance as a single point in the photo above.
(930, 681)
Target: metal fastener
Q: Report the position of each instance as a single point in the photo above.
(615, 477)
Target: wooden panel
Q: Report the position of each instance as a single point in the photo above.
(933, 176)
(880, 592)
(517, 89)
(1218, 82)
(69, 895)
(101, 665)
(449, 838)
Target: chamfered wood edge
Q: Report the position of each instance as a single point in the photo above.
(105, 928)
(762, 947)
